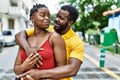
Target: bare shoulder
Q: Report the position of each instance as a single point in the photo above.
(55, 35)
(57, 38)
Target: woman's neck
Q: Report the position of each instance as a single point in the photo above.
(39, 31)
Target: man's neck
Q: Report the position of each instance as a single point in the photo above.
(64, 31)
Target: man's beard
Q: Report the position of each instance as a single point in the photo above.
(61, 28)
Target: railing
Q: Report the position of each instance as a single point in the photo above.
(16, 11)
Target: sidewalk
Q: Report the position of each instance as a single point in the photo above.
(90, 69)
(97, 52)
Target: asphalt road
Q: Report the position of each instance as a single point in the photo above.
(90, 69)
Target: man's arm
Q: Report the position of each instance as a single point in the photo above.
(66, 71)
(21, 39)
(69, 70)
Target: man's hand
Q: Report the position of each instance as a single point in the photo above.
(32, 50)
(30, 75)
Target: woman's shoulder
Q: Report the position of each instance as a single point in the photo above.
(55, 35)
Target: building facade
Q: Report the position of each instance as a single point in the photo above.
(14, 14)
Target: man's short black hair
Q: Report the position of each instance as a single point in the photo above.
(36, 7)
(73, 12)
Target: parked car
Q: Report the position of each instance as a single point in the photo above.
(1, 42)
(9, 37)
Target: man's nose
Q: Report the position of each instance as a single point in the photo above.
(56, 19)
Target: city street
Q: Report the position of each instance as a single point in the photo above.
(89, 70)
(7, 58)
(95, 21)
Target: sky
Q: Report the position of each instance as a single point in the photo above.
(51, 4)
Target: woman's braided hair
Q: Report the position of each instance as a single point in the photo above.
(36, 7)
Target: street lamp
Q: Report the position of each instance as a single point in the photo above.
(113, 7)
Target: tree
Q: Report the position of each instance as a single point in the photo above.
(90, 13)
(52, 18)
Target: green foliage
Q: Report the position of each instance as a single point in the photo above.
(52, 18)
(90, 13)
(92, 32)
(111, 49)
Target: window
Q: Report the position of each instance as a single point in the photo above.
(11, 23)
(13, 3)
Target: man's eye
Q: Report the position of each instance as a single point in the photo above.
(60, 17)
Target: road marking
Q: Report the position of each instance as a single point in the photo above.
(109, 72)
(98, 73)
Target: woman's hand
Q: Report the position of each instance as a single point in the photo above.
(34, 50)
(30, 62)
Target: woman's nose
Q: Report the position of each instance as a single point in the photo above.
(47, 17)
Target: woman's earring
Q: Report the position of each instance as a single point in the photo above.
(33, 23)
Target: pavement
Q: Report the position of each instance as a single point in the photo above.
(91, 70)
(86, 68)
(7, 58)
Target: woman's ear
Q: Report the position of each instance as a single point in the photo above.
(31, 18)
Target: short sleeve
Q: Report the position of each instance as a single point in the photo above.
(77, 48)
(30, 31)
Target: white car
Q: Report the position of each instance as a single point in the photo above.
(1, 42)
(9, 37)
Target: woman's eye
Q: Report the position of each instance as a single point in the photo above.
(42, 15)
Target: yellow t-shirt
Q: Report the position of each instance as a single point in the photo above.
(30, 31)
(74, 45)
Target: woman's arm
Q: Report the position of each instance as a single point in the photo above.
(59, 49)
(60, 58)
(30, 62)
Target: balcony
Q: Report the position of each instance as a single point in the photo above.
(19, 12)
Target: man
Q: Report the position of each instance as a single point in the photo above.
(66, 16)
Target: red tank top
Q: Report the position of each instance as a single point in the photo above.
(47, 55)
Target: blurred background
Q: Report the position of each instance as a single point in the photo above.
(98, 25)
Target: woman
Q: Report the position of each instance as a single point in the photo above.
(54, 53)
